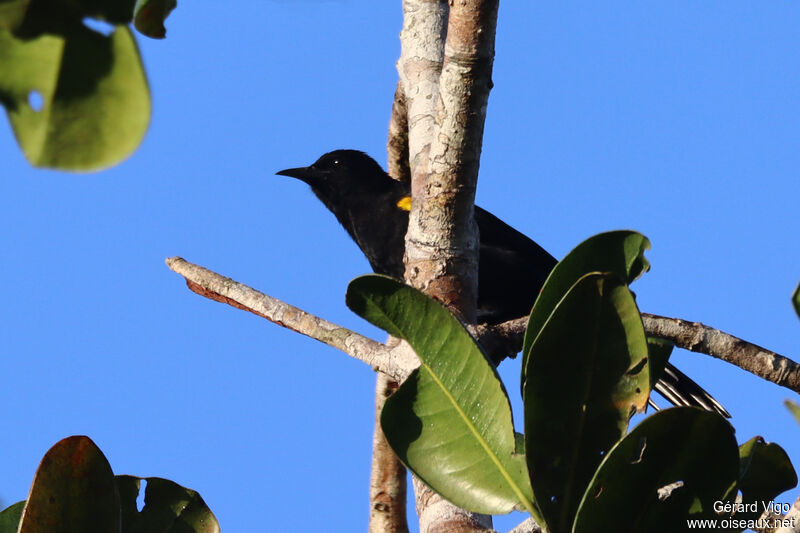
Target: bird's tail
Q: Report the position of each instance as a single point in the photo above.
(680, 390)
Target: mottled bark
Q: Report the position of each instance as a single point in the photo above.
(419, 67)
(387, 484)
(446, 73)
(397, 165)
(442, 240)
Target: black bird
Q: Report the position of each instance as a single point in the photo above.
(373, 208)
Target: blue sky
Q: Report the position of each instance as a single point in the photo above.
(678, 119)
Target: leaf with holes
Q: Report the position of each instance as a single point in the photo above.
(587, 373)
(72, 491)
(168, 507)
(77, 101)
(670, 468)
(620, 252)
(450, 421)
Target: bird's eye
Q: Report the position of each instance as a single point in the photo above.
(335, 161)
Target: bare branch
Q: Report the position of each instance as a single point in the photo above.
(528, 526)
(505, 340)
(387, 484)
(692, 336)
(395, 362)
(700, 338)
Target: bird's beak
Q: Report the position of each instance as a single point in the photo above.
(306, 174)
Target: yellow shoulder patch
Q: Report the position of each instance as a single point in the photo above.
(404, 203)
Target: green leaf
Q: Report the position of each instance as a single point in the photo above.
(450, 421)
(12, 13)
(168, 507)
(796, 300)
(620, 252)
(670, 468)
(149, 16)
(793, 408)
(95, 103)
(10, 517)
(587, 373)
(764, 472)
(72, 491)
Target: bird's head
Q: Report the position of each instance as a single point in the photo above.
(341, 172)
(345, 181)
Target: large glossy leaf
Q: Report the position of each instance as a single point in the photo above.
(10, 517)
(149, 16)
(77, 101)
(450, 421)
(73, 491)
(168, 507)
(670, 468)
(587, 373)
(620, 252)
(764, 472)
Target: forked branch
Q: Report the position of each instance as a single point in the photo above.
(397, 364)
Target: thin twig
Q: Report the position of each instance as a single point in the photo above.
(397, 362)
(692, 336)
(392, 362)
(505, 340)
(700, 338)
